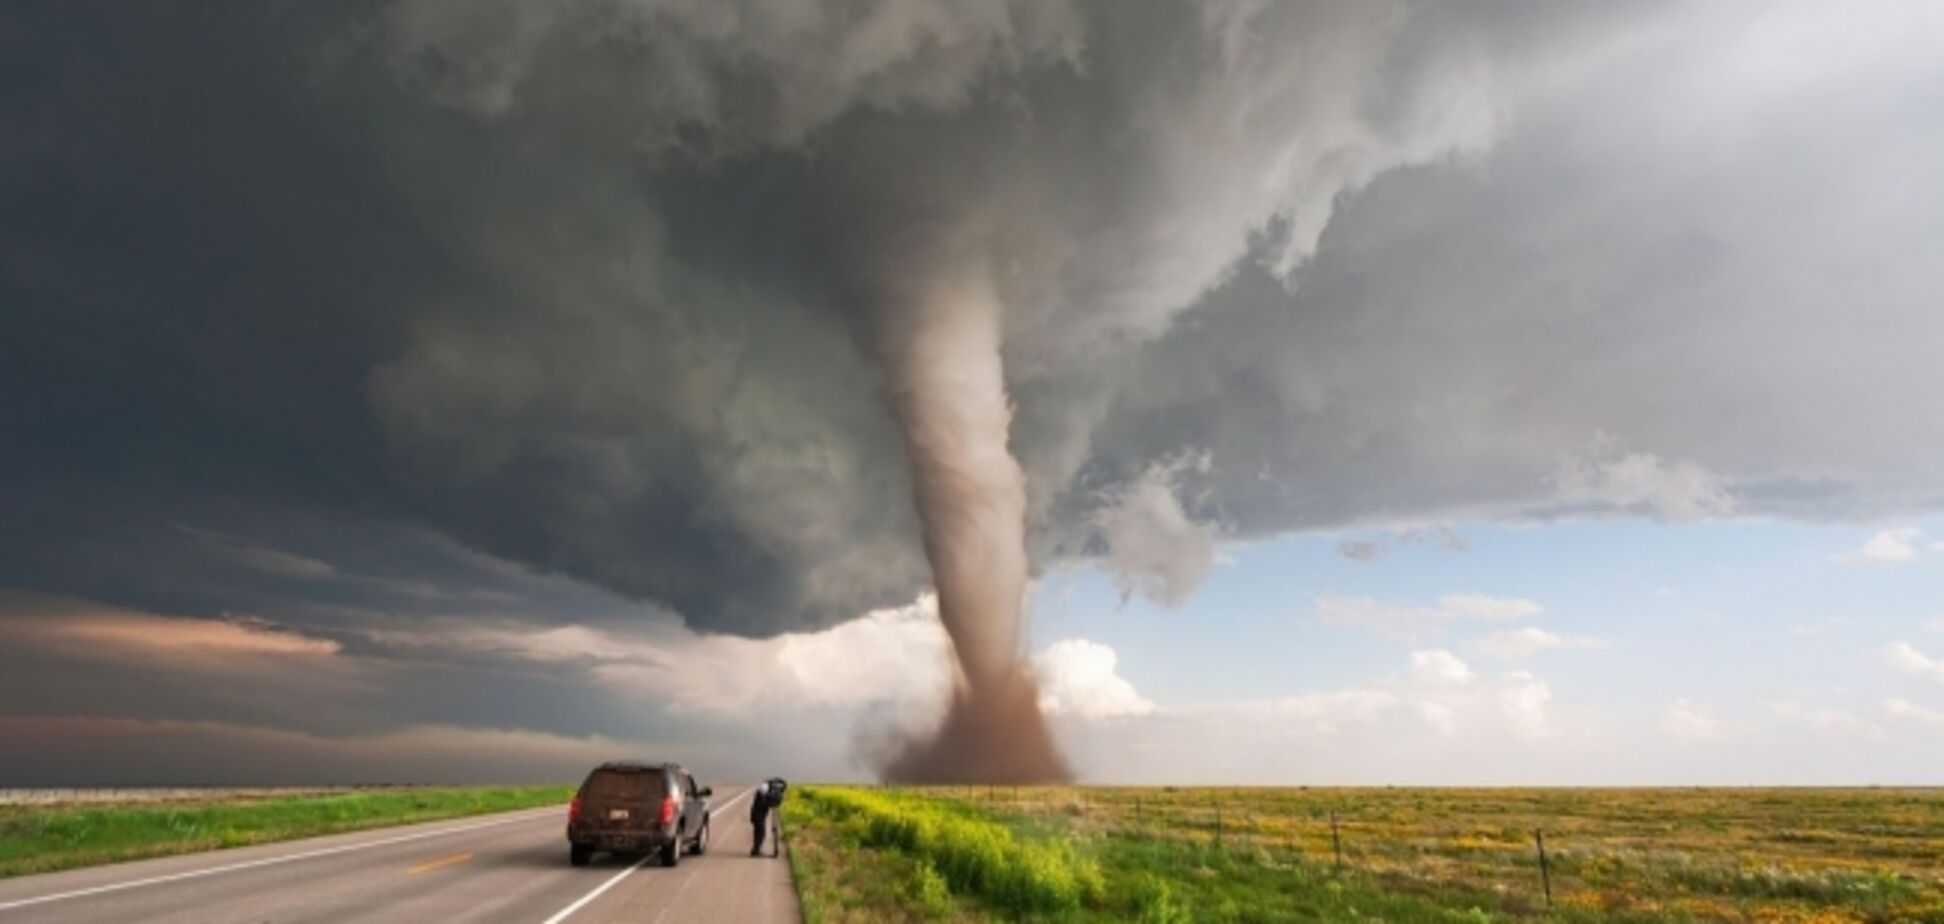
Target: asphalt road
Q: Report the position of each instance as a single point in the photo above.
(509, 867)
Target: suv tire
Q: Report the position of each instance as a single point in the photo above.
(701, 841)
(671, 852)
(579, 854)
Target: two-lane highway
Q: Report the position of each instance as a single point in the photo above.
(510, 867)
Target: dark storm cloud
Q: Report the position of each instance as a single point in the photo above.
(221, 310)
(580, 286)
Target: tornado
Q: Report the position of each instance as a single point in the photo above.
(945, 373)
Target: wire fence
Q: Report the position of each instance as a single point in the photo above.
(1798, 844)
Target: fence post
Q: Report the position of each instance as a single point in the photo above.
(1545, 869)
(1218, 822)
(1137, 810)
(1336, 841)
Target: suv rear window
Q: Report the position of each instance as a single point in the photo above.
(624, 784)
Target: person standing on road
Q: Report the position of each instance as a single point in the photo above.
(767, 799)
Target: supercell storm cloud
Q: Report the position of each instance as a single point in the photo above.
(592, 286)
(715, 306)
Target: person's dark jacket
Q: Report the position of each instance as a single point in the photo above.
(767, 797)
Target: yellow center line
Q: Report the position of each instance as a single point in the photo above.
(440, 863)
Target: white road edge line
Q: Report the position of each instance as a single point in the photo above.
(272, 861)
(581, 902)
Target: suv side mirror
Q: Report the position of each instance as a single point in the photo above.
(705, 791)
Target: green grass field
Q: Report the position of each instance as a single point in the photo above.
(1408, 855)
(43, 838)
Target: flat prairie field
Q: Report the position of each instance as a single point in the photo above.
(865, 854)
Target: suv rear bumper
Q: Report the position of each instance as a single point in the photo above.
(626, 841)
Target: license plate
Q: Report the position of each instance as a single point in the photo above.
(617, 814)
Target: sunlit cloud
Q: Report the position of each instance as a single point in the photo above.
(1079, 677)
(1686, 721)
(1406, 622)
(1890, 546)
(192, 635)
(1516, 644)
(80, 624)
(897, 656)
(1907, 658)
(1909, 711)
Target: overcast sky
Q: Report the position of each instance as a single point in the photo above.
(447, 389)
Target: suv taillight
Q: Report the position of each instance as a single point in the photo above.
(573, 810)
(668, 810)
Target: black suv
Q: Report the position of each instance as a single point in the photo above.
(629, 807)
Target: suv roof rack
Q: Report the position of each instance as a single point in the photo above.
(633, 765)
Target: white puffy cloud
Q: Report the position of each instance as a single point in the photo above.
(880, 657)
(1438, 690)
(1439, 668)
(1891, 546)
(1825, 720)
(1452, 698)
(1516, 644)
(897, 657)
(1406, 622)
(1408, 724)
(1439, 716)
(1523, 698)
(1905, 657)
(1907, 710)
(1685, 721)
(1078, 677)
(1386, 732)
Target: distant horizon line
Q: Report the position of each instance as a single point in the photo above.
(7, 792)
